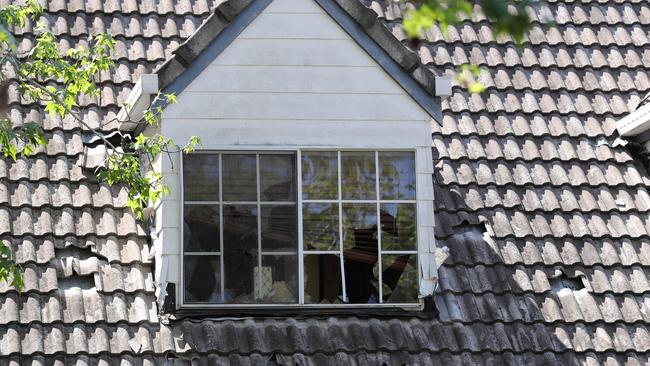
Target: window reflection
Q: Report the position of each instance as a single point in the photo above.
(239, 177)
(398, 226)
(277, 177)
(201, 177)
(320, 175)
(358, 179)
(400, 278)
(320, 226)
(397, 175)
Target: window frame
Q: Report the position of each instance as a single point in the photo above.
(300, 201)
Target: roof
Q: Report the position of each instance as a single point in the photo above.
(533, 196)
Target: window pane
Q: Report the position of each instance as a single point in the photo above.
(358, 175)
(360, 254)
(277, 177)
(239, 177)
(279, 232)
(201, 177)
(320, 226)
(398, 226)
(279, 283)
(201, 228)
(400, 278)
(202, 274)
(320, 175)
(360, 226)
(323, 279)
(397, 175)
(240, 251)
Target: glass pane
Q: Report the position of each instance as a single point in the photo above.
(239, 177)
(358, 175)
(202, 274)
(398, 226)
(279, 230)
(360, 253)
(279, 283)
(240, 252)
(320, 226)
(201, 177)
(320, 175)
(397, 175)
(277, 177)
(323, 279)
(400, 278)
(360, 226)
(201, 228)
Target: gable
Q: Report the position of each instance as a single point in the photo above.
(293, 80)
(294, 62)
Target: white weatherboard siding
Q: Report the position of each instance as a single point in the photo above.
(292, 79)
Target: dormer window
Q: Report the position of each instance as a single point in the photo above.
(313, 187)
(337, 229)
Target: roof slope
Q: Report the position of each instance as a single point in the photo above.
(530, 185)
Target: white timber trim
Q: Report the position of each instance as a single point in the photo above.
(138, 100)
(635, 123)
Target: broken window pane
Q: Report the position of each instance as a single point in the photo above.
(279, 231)
(201, 228)
(400, 278)
(323, 279)
(279, 282)
(259, 228)
(239, 177)
(320, 226)
(398, 226)
(202, 275)
(358, 175)
(320, 175)
(277, 177)
(240, 251)
(360, 253)
(201, 177)
(397, 175)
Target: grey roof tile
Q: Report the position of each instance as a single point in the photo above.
(526, 159)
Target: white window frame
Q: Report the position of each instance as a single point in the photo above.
(297, 151)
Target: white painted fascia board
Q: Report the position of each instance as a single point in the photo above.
(635, 123)
(137, 102)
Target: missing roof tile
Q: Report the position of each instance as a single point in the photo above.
(75, 252)
(562, 281)
(86, 282)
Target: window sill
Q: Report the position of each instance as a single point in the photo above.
(421, 310)
(275, 307)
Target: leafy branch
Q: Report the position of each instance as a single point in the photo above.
(506, 17)
(56, 82)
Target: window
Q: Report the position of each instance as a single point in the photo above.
(321, 228)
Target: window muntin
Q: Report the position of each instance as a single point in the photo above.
(341, 257)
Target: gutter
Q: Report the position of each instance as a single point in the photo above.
(137, 102)
(636, 123)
